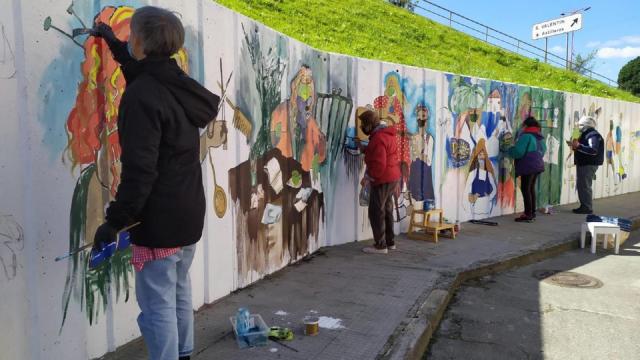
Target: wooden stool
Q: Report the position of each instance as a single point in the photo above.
(429, 226)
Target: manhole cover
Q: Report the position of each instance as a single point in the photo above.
(567, 279)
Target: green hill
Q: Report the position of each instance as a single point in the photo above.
(377, 30)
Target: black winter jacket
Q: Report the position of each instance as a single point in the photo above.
(161, 186)
(591, 149)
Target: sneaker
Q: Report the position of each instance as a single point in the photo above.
(374, 250)
(582, 210)
(525, 218)
(391, 247)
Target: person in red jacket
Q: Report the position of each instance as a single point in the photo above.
(383, 174)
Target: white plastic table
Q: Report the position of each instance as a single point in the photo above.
(600, 228)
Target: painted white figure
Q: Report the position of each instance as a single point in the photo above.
(480, 187)
(494, 102)
(556, 116)
(478, 130)
(494, 107)
(553, 150)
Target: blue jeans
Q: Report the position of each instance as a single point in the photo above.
(163, 291)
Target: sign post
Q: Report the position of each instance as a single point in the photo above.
(546, 45)
(567, 24)
(568, 61)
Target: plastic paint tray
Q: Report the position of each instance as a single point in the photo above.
(257, 335)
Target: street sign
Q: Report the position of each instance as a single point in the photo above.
(557, 26)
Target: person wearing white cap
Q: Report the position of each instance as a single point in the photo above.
(588, 155)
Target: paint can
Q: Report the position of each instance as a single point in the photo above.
(311, 325)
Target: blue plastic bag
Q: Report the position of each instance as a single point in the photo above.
(624, 224)
(98, 257)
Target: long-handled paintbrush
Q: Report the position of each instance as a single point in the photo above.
(84, 247)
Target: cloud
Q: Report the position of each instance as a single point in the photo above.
(557, 49)
(633, 39)
(624, 40)
(613, 52)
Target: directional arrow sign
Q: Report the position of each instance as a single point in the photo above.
(557, 26)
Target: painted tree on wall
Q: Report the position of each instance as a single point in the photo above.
(269, 69)
(277, 192)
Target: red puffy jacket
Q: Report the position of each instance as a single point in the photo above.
(381, 156)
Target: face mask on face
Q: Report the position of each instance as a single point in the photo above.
(481, 163)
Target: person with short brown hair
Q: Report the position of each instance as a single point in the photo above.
(159, 121)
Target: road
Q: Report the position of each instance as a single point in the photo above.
(514, 315)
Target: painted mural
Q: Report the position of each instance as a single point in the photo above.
(572, 132)
(407, 104)
(476, 169)
(276, 192)
(11, 245)
(486, 119)
(548, 108)
(280, 160)
(614, 157)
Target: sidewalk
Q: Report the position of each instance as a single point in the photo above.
(388, 304)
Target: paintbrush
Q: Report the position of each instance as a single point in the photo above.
(283, 344)
(82, 248)
(80, 31)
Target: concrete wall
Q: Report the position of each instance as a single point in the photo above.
(59, 159)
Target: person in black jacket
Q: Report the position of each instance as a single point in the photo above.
(588, 156)
(161, 185)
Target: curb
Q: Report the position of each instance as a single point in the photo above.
(411, 338)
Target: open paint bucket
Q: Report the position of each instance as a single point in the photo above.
(311, 326)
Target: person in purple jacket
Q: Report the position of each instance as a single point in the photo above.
(528, 153)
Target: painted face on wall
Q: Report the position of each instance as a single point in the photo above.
(482, 156)
(422, 115)
(494, 102)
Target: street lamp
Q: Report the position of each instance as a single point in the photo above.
(570, 60)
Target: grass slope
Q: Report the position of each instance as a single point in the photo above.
(376, 30)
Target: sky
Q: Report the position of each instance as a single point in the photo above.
(610, 27)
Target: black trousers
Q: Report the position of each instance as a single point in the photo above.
(381, 214)
(528, 187)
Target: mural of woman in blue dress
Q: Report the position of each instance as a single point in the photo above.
(422, 144)
(481, 186)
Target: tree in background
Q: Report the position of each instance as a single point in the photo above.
(629, 77)
(584, 64)
(405, 4)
